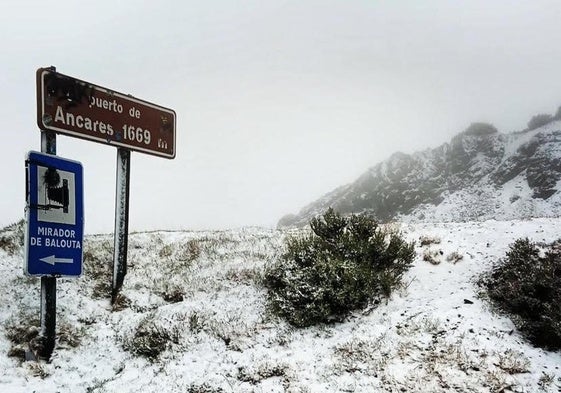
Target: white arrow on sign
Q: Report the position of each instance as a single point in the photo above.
(51, 260)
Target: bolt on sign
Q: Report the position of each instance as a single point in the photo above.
(70, 106)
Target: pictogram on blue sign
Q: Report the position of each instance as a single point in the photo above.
(55, 216)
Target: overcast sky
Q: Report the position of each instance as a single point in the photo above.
(277, 102)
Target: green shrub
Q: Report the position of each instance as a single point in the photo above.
(204, 388)
(11, 237)
(527, 285)
(557, 114)
(150, 339)
(539, 120)
(479, 129)
(342, 265)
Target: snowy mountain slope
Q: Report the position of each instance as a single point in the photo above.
(476, 176)
(197, 296)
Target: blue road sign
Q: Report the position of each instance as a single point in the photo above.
(55, 216)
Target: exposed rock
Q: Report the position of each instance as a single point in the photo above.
(480, 174)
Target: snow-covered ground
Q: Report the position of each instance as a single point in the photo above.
(199, 293)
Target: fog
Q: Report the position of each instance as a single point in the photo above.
(277, 102)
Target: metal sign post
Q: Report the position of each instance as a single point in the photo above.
(121, 221)
(48, 283)
(48, 315)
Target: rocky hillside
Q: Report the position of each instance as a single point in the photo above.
(480, 174)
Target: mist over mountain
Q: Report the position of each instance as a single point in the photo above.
(480, 174)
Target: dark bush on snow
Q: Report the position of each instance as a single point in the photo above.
(527, 285)
(539, 120)
(557, 114)
(11, 237)
(150, 339)
(479, 129)
(342, 265)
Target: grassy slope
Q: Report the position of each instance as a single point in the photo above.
(193, 300)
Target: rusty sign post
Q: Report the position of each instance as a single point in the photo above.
(121, 221)
(70, 106)
(48, 284)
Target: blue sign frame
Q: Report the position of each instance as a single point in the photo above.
(55, 216)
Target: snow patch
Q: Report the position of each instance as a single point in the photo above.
(434, 335)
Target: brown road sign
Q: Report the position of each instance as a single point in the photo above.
(70, 106)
